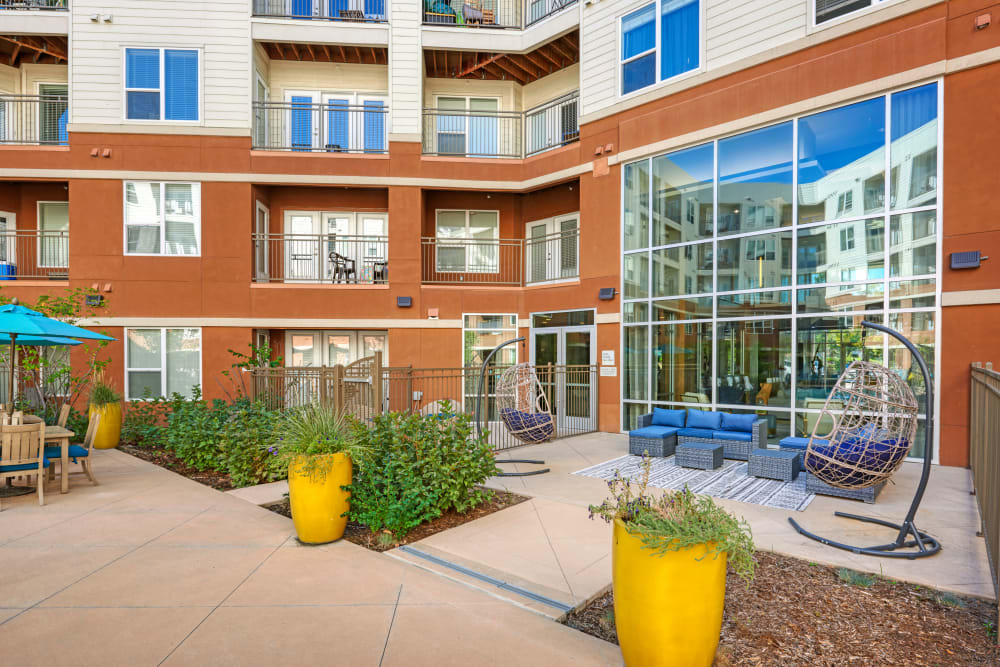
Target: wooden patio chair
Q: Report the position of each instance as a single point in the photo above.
(77, 453)
(63, 416)
(22, 455)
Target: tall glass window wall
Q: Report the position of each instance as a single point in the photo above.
(751, 261)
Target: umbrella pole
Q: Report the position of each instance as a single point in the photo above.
(13, 365)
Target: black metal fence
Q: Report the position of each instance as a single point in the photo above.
(33, 119)
(34, 255)
(321, 258)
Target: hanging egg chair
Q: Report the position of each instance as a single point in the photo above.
(523, 405)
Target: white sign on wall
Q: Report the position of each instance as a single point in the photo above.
(609, 371)
(607, 357)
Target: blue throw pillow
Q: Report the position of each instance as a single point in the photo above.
(704, 419)
(662, 417)
(743, 423)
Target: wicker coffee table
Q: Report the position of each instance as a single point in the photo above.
(701, 455)
(774, 464)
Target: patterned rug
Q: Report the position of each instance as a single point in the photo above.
(730, 481)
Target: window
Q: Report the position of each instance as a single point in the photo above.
(161, 84)
(474, 128)
(827, 10)
(659, 49)
(53, 235)
(845, 202)
(330, 348)
(161, 362)
(162, 218)
(468, 241)
(846, 239)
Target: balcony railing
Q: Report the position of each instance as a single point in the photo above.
(515, 14)
(500, 262)
(33, 119)
(321, 258)
(358, 11)
(35, 4)
(329, 127)
(34, 255)
(501, 134)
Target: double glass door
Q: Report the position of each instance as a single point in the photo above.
(336, 247)
(572, 398)
(552, 249)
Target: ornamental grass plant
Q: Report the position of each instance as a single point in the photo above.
(309, 435)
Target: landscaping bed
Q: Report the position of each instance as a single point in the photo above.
(166, 458)
(383, 541)
(801, 613)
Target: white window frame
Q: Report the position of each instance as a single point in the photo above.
(162, 90)
(38, 228)
(814, 26)
(658, 82)
(356, 343)
(162, 370)
(355, 128)
(467, 132)
(162, 223)
(460, 242)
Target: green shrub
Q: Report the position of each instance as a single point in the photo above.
(144, 423)
(102, 393)
(193, 428)
(416, 469)
(243, 440)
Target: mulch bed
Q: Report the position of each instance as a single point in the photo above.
(166, 459)
(800, 613)
(383, 541)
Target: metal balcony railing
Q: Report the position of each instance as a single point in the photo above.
(511, 14)
(35, 4)
(358, 11)
(33, 119)
(34, 255)
(502, 134)
(321, 258)
(501, 262)
(329, 127)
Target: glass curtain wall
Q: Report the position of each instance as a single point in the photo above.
(750, 261)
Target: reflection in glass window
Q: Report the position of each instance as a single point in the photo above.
(682, 195)
(913, 294)
(636, 275)
(749, 304)
(825, 346)
(636, 219)
(919, 328)
(668, 310)
(848, 298)
(635, 383)
(913, 248)
(754, 360)
(753, 262)
(828, 253)
(635, 312)
(755, 180)
(842, 160)
(682, 270)
(682, 362)
(913, 152)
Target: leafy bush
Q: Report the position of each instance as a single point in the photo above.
(193, 428)
(144, 423)
(243, 441)
(416, 469)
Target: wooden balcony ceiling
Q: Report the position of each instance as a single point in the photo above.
(327, 53)
(521, 67)
(18, 50)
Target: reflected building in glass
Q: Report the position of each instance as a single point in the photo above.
(750, 261)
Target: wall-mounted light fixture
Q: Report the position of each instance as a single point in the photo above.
(607, 293)
(404, 301)
(970, 259)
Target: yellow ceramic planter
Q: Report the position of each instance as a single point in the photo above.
(109, 431)
(319, 505)
(668, 609)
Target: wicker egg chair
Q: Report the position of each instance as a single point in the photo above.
(523, 405)
(869, 441)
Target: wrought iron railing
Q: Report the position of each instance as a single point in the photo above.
(553, 256)
(35, 4)
(34, 255)
(321, 258)
(502, 134)
(984, 458)
(360, 11)
(34, 119)
(329, 127)
(515, 14)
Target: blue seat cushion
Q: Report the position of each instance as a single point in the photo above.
(732, 435)
(799, 443)
(75, 451)
(731, 422)
(24, 466)
(654, 432)
(663, 417)
(706, 433)
(517, 420)
(704, 419)
(854, 452)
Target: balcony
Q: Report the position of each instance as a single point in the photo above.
(501, 134)
(34, 255)
(33, 119)
(504, 14)
(321, 259)
(328, 127)
(54, 5)
(501, 262)
(353, 11)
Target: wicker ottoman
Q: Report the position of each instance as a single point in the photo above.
(637, 445)
(702, 455)
(868, 495)
(774, 464)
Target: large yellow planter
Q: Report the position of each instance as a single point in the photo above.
(668, 608)
(109, 431)
(319, 505)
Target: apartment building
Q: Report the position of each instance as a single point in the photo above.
(702, 197)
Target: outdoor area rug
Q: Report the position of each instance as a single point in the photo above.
(730, 481)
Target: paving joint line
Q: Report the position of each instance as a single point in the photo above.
(548, 540)
(392, 621)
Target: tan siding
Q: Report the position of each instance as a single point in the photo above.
(326, 77)
(406, 68)
(737, 29)
(551, 87)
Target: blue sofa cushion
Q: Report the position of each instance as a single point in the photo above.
(75, 451)
(854, 452)
(732, 435)
(654, 432)
(663, 417)
(704, 419)
(799, 443)
(706, 433)
(743, 423)
(24, 466)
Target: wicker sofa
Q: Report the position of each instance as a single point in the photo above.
(660, 431)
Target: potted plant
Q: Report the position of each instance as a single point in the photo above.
(317, 446)
(105, 401)
(669, 557)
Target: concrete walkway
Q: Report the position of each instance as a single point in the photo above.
(151, 568)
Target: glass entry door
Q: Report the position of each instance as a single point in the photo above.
(571, 352)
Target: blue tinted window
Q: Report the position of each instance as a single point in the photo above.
(143, 106)
(755, 180)
(174, 87)
(841, 162)
(679, 38)
(181, 84)
(679, 48)
(639, 32)
(142, 68)
(683, 195)
(639, 73)
(913, 150)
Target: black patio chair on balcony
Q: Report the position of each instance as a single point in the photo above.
(344, 269)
